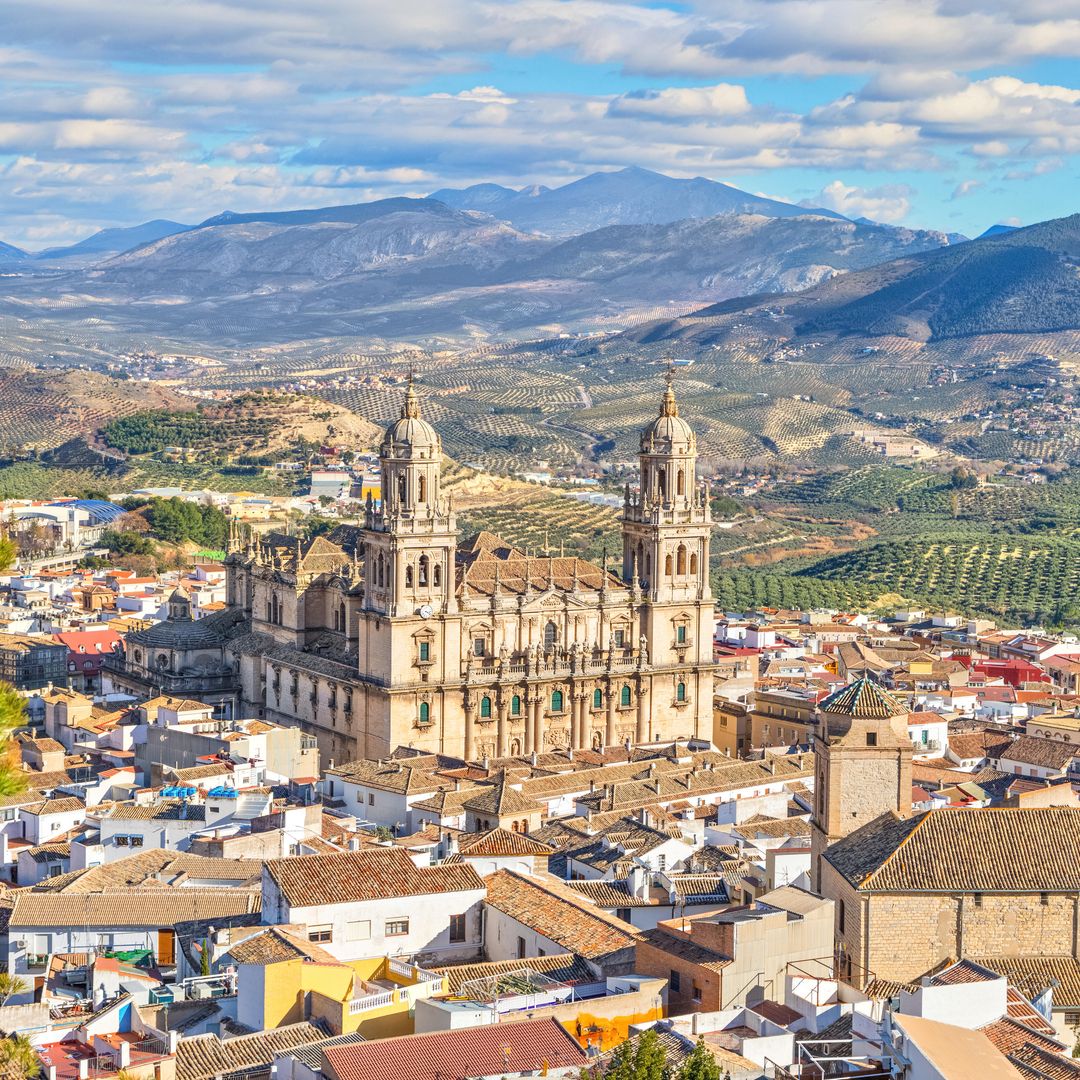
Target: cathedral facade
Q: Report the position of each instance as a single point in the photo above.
(397, 634)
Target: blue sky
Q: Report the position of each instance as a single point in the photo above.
(949, 114)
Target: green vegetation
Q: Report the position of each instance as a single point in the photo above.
(178, 521)
(209, 426)
(12, 717)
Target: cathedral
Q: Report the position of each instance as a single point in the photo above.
(396, 633)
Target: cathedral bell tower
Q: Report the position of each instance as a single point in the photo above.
(666, 525)
(410, 533)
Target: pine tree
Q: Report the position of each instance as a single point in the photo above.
(700, 1065)
(12, 717)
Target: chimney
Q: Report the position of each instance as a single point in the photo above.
(354, 843)
(84, 1068)
(570, 754)
(534, 758)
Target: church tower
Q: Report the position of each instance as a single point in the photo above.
(411, 534)
(863, 759)
(666, 528)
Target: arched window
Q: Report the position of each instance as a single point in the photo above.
(401, 489)
(680, 691)
(680, 562)
(661, 483)
(680, 483)
(485, 708)
(668, 565)
(515, 705)
(551, 635)
(693, 564)
(556, 701)
(598, 699)
(421, 489)
(436, 574)
(342, 618)
(648, 567)
(379, 571)
(423, 570)
(408, 577)
(425, 712)
(624, 696)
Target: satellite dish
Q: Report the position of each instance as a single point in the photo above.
(426, 611)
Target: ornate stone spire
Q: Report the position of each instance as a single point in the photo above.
(410, 407)
(669, 406)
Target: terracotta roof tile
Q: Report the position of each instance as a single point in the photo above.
(523, 1047)
(556, 912)
(349, 876)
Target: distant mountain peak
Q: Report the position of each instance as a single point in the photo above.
(632, 195)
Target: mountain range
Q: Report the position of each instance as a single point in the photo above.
(632, 196)
(604, 252)
(416, 269)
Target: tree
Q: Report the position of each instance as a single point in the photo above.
(700, 1065)
(18, 1057)
(8, 552)
(11, 986)
(204, 958)
(12, 717)
(639, 1058)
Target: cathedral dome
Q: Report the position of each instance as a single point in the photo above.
(669, 433)
(410, 431)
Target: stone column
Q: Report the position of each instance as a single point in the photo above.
(500, 731)
(609, 733)
(580, 739)
(642, 734)
(538, 722)
(470, 709)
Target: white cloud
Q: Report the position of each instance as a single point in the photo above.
(966, 187)
(683, 103)
(889, 203)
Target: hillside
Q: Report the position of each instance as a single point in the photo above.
(43, 409)
(1025, 281)
(632, 196)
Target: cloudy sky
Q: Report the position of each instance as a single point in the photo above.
(952, 114)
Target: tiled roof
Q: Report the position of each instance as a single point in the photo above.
(556, 912)
(684, 948)
(155, 869)
(374, 874)
(978, 744)
(201, 1057)
(1035, 1063)
(776, 1012)
(502, 842)
(958, 850)
(275, 945)
(564, 967)
(1031, 750)
(1008, 1036)
(863, 698)
(704, 888)
(610, 894)
(485, 558)
(1031, 975)
(56, 806)
(311, 1053)
(159, 907)
(162, 810)
(501, 799)
(489, 1050)
(391, 776)
(772, 828)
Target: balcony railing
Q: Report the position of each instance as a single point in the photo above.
(371, 1001)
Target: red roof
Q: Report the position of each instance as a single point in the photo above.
(453, 1055)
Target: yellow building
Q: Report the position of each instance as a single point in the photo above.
(282, 978)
